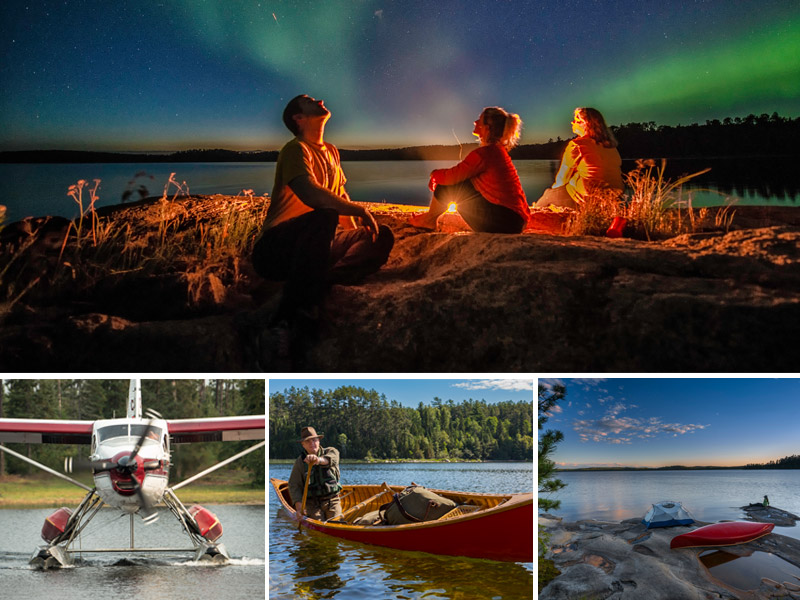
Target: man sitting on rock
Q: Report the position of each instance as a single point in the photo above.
(310, 239)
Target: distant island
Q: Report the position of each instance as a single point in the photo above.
(763, 135)
(788, 462)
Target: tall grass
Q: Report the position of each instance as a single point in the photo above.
(204, 247)
(654, 206)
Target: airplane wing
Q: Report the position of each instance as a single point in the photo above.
(45, 431)
(217, 429)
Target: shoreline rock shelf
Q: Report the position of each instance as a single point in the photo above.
(770, 514)
(454, 302)
(610, 560)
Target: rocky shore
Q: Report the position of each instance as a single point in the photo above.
(453, 301)
(770, 514)
(601, 560)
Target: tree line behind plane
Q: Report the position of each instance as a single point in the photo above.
(106, 398)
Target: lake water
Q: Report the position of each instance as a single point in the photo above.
(707, 495)
(41, 189)
(304, 564)
(146, 576)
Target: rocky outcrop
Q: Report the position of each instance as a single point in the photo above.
(455, 301)
(770, 514)
(600, 560)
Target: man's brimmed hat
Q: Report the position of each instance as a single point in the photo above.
(306, 433)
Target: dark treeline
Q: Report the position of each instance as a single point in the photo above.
(363, 424)
(763, 135)
(753, 135)
(787, 462)
(90, 399)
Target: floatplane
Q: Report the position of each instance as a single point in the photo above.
(130, 460)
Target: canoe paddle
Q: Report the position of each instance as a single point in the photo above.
(305, 496)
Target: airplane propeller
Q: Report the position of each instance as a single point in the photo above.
(128, 465)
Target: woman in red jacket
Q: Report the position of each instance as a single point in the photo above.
(484, 186)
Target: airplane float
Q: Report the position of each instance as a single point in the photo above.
(130, 460)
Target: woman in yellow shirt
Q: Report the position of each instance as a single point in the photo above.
(590, 163)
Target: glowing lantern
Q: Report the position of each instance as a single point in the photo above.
(452, 208)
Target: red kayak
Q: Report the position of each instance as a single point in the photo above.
(722, 534)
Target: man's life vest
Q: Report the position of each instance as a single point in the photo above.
(324, 480)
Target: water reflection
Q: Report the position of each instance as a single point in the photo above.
(314, 565)
(309, 564)
(744, 570)
(39, 189)
(754, 180)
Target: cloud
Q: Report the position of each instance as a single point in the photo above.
(555, 409)
(549, 384)
(589, 384)
(615, 429)
(512, 385)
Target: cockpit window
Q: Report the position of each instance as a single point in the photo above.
(127, 430)
(154, 433)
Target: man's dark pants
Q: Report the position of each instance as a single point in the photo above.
(309, 254)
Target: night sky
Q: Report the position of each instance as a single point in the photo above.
(666, 422)
(147, 75)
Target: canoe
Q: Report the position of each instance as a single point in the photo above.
(722, 534)
(491, 526)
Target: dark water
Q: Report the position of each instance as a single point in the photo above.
(745, 572)
(169, 576)
(312, 565)
(41, 189)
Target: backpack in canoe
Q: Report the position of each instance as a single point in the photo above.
(414, 505)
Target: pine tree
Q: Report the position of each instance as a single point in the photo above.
(549, 396)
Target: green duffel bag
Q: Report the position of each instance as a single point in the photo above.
(370, 518)
(414, 505)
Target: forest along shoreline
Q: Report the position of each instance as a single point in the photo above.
(367, 428)
(724, 298)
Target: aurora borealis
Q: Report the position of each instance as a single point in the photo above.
(180, 74)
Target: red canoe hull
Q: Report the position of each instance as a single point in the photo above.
(722, 534)
(504, 532)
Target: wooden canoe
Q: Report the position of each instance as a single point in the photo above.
(722, 534)
(491, 526)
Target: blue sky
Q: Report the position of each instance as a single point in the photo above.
(661, 422)
(177, 74)
(410, 392)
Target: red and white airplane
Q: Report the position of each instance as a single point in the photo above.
(130, 460)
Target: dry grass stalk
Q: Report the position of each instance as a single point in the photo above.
(654, 206)
(205, 248)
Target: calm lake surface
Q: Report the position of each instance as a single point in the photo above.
(707, 495)
(312, 565)
(41, 189)
(170, 577)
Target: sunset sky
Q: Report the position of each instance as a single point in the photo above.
(663, 422)
(410, 392)
(176, 74)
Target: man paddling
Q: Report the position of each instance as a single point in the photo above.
(309, 238)
(322, 499)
